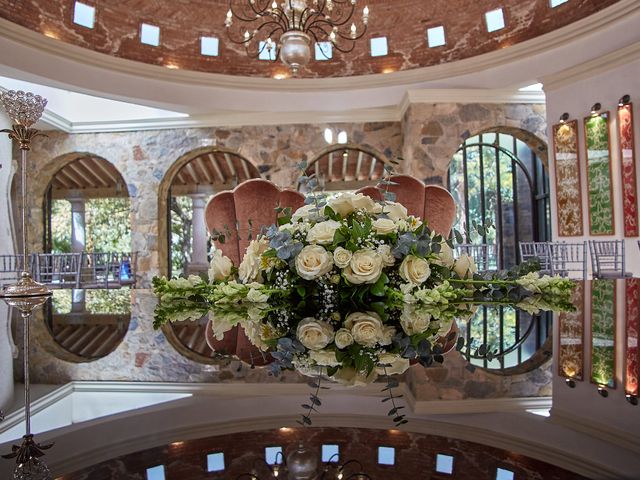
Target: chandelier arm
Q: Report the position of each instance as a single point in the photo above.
(341, 19)
(283, 19)
(239, 17)
(260, 12)
(357, 37)
(345, 50)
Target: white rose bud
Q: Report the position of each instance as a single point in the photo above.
(220, 267)
(314, 334)
(366, 328)
(398, 365)
(445, 257)
(384, 226)
(395, 211)
(313, 262)
(325, 358)
(303, 213)
(342, 257)
(365, 267)
(414, 269)
(342, 204)
(464, 266)
(322, 233)
(343, 338)
(388, 259)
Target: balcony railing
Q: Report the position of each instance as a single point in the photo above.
(73, 270)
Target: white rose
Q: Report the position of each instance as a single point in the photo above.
(395, 211)
(363, 202)
(414, 269)
(249, 269)
(323, 232)
(349, 377)
(343, 338)
(325, 358)
(314, 334)
(398, 365)
(256, 296)
(366, 327)
(342, 257)
(342, 204)
(220, 267)
(313, 261)
(387, 257)
(445, 257)
(413, 321)
(365, 267)
(384, 226)
(304, 213)
(464, 266)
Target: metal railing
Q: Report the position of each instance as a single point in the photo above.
(73, 270)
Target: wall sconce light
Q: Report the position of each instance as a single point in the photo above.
(602, 390)
(595, 108)
(624, 100)
(564, 117)
(632, 399)
(570, 382)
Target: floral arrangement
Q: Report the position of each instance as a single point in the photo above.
(351, 288)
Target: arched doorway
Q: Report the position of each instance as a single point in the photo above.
(498, 178)
(196, 178)
(87, 259)
(347, 167)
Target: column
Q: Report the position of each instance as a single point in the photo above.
(78, 244)
(6, 247)
(198, 236)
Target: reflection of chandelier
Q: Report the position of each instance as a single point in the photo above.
(302, 464)
(289, 28)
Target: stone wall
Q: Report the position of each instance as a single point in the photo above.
(427, 138)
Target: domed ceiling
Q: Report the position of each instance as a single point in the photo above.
(404, 23)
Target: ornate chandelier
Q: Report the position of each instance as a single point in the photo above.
(302, 464)
(290, 28)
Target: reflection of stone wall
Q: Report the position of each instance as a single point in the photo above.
(428, 137)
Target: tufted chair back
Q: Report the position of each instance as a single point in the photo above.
(239, 212)
(432, 203)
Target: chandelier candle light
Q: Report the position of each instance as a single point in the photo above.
(290, 28)
(25, 109)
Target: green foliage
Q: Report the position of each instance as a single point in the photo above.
(181, 217)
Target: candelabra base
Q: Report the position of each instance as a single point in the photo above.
(26, 295)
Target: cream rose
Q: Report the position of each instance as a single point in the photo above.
(413, 321)
(445, 257)
(343, 338)
(414, 269)
(387, 257)
(397, 364)
(249, 269)
(365, 267)
(220, 267)
(322, 233)
(342, 257)
(384, 226)
(325, 358)
(313, 261)
(366, 327)
(304, 212)
(395, 211)
(346, 203)
(388, 332)
(363, 202)
(464, 266)
(314, 334)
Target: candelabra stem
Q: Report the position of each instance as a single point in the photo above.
(26, 317)
(23, 173)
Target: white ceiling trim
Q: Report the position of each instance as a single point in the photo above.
(479, 63)
(239, 119)
(589, 69)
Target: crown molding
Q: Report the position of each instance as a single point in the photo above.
(597, 430)
(519, 51)
(589, 69)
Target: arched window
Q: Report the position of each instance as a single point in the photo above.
(497, 178)
(204, 173)
(87, 259)
(347, 167)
